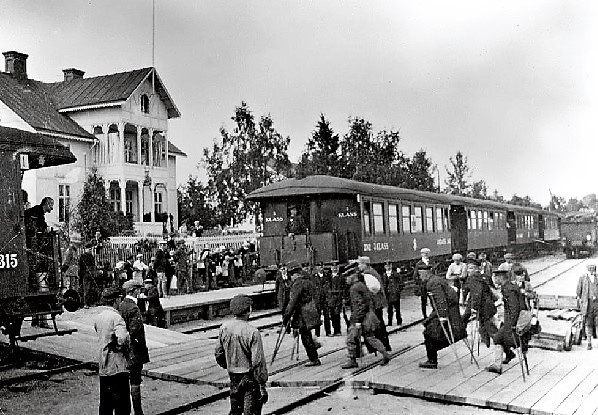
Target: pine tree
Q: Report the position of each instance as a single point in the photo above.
(459, 175)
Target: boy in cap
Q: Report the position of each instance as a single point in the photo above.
(138, 353)
(154, 312)
(112, 361)
(241, 352)
(421, 273)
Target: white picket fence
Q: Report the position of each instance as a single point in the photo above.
(197, 244)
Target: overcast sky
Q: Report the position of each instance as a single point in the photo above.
(512, 84)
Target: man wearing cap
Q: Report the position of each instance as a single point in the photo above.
(457, 273)
(504, 339)
(334, 298)
(321, 280)
(394, 286)
(283, 290)
(138, 353)
(113, 339)
(380, 301)
(301, 310)
(362, 322)
(587, 298)
(154, 313)
(445, 312)
(70, 265)
(422, 271)
(481, 301)
(241, 352)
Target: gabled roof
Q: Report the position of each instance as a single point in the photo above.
(107, 89)
(172, 149)
(31, 101)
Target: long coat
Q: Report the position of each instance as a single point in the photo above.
(138, 353)
(335, 292)
(481, 296)
(361, 303)
(301, 309)
(421, 266)
(446, 305)
(583, 293)
(394, 286)
(514, 302)
(322, 285)
(283, 289)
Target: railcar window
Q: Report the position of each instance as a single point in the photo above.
(418, 222)
(480, 220)
(532, 222)
(406, 214)
(485, 219)
(393, 218)
(366, 219)
(447, 222)
(490, 221)
(473, 220)
(378, 219)
(439, 220)
(429, 219)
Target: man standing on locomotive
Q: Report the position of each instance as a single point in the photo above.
(421, 273)
(301, 310)
(35, 217)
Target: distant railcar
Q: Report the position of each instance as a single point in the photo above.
(579, 237)
(29, 275)
(342, 219)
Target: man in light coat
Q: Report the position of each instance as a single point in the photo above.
(113, 340)
(587, 298)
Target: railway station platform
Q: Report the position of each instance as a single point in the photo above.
(558, 383)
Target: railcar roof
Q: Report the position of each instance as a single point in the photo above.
(35, 145)
(328, 185)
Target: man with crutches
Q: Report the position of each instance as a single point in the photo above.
(505, 339)
(444, 326)
(481, 301)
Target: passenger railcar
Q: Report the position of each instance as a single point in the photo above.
(579, 234)
(29, 276)
(343, 219)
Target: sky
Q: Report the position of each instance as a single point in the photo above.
(511, 84)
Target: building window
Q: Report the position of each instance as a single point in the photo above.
(406, 213)
(367, 230)
(145, 104)
(378, 219)
(64, 202)
(417, 220)
(129, 202)
(115, 199)
(393, 218)
(429, 219)
(159, 211)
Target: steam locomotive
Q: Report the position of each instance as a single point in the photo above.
(29, 264)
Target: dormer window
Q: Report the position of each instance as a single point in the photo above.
(145, 104)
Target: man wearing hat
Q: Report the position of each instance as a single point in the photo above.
(295, 224)
(445, 312)
(113, 339)
(587, 298)
(481, 301)
(241, 352)
(70, 265)
(334, 298)
(138, 353)
(302, 311)
(154, 313)
(457, 273)
(504, 339)
(394, 286)
(321, 280)
(380, 301)
(422, 271)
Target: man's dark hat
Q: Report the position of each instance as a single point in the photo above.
(293, 266)
(240, 304)
(111, 293)
(500, 272)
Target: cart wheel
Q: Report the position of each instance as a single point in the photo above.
(576, 334)
(568, 341)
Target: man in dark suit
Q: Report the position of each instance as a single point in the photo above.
(138, 353)
(334, 298)
(421, 273)
(394, 286)
(301, 310)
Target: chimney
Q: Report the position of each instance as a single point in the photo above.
(72, 73)
(16, 64)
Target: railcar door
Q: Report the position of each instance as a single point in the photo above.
(458, 228)
(13, 260)
(541, 227)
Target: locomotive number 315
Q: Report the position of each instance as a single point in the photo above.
(9, 261)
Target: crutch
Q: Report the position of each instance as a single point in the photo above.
(283, 330)
(449, 334)
(295, 346)
(519, 352)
